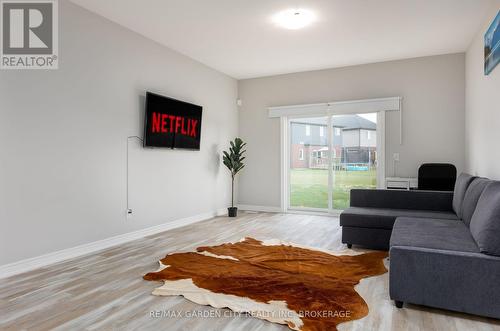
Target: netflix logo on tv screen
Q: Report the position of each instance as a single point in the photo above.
(171, 123)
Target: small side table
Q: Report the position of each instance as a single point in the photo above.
(401, 183)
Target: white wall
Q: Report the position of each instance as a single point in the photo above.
(482, 116)
(433, 89)
(63, 140)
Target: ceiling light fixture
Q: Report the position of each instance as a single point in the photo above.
(294, 19)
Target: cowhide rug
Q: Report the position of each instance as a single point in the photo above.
(304, 288)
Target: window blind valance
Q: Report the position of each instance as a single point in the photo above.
(343, 107)
(338, 107)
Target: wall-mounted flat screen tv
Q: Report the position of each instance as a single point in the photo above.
(171, 123)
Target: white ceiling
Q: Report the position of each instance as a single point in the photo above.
(239, 38)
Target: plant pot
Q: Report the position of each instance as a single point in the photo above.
(232, 211)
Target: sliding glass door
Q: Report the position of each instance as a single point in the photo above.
(309, 159)
(329, 156)
(355, 155)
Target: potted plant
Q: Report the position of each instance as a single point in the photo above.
(233, 160)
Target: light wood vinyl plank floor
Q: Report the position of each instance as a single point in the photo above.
(105, 290)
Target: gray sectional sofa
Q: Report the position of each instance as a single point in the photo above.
(450, 262)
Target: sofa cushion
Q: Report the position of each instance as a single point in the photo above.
(471, 198)
(485, 223)
(461, 186)
(440, 234)
(382, 218)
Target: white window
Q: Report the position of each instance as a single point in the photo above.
(301, 154)
(308, 130)
(321, 131)
(337, 131)
(369, 135)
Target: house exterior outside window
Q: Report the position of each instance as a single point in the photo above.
(353, 142)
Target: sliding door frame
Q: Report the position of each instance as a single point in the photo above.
(286, 166)
(381, 151)
(285, 163)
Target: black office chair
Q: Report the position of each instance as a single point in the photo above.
(437, 177)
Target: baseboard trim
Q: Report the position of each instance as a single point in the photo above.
(19, 267)
(267, 209)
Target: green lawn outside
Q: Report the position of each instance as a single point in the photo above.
(309, 187)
